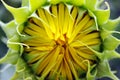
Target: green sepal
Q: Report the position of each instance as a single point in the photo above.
(102, 15)
(21, 50)
(11, 33)
(35, 4)
(103, 70)
(104, 33)
(13, 52)
(30, 57)
(95, 18)
(20, 14)
(111, 24)
(10, 29)
(109, 27)
(91, 73)
(11, 57)
(19, 29)
(110, 54)
(27, 37)
(13, 43)
(90, 4)
(110, 43)
(23, 72)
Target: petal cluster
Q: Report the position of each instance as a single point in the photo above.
(60, 42)
(61, 39)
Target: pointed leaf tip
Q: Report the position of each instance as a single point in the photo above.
(111, 43)
(111, 54)
(105, 71)
(20, 14)
(111, 24)
(102, 15)
(91, 73)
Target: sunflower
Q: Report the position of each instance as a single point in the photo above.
(61, 40)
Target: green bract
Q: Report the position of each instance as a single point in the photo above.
(38, 43)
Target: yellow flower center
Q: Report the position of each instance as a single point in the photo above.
(60, 40)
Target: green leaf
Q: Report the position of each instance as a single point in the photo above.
(111, 24)
(95, 18)
(11, 57)
(23, 72)
(13, 52)
(104, 34)
(103, 70)
(20, 14)
(102, 15)
(10, 29)
(91, 73)
(110, 54)
(110, 43)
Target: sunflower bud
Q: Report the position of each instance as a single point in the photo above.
(61, 40)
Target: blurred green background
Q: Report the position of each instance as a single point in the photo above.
(5, 16)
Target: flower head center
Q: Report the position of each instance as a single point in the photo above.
(60, 42)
